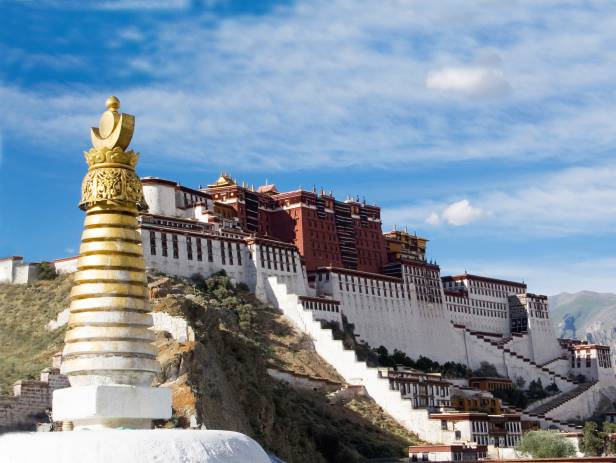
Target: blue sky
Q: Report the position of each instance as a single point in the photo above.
(488, 127)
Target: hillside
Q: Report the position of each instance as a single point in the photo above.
(25, 342)
(585, 315)
(221, 377)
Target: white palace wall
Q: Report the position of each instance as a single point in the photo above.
(543, 341)
(250, 264)
(386, 312)
(13, 270)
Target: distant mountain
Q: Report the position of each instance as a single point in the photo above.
(586, 315)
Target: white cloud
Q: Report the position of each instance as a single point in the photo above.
(572, 201)
(457, 214)
(433, 219)
(461, 213)
(131, 34)
(473, 81)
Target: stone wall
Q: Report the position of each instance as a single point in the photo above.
(30, 402)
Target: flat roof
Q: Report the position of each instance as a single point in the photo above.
(469, 276)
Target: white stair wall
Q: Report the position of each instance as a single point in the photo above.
(355, 371)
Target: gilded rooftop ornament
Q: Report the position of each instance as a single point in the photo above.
(112, 176)
(115, 129)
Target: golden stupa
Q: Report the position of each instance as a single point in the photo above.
(108, 339)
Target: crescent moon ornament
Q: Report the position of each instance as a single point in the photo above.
(115, 129)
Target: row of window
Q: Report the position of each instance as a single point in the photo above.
(477, 302)
(322, 306)
(277, 258)
(370, 286)
(226, 248)
(475, 311)
(421, 389)
(479, 427)
(422, 271)
(604, 359)
(495, 286)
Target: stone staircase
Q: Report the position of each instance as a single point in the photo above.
(559, 400)
(560, 357)
(354, 372)
(500, 345)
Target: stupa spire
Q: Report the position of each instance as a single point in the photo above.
(109, 337)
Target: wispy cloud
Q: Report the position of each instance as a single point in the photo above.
(139, 5)
(457, 214)
(572, 201)
(338, 84)
(477, 81)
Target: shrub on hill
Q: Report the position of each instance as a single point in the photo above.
(46, 271)
(26, 344)
(447, 369)
(545, 444)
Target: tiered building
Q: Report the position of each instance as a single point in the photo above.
(321, 259)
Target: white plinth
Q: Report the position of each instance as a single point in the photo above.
(131, 446)
(111, 406)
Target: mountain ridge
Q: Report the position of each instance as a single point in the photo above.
(585, 315)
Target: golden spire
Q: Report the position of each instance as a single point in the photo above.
(115, 129)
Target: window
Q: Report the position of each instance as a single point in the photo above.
(230, 248)
(153, 243)
(163, 242)
(444, 425)
(189, 253)
(199, 253)
(174, 243)
(239, 253)
(210, 253)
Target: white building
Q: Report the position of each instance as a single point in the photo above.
(14, 270)
(467, 318)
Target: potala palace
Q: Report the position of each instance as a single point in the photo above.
(319, 259)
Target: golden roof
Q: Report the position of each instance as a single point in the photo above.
(224, 180)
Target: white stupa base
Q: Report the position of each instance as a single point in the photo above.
(131, 446)
(111, 406)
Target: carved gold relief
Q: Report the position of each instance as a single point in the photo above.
(112, 184)
(106, 155)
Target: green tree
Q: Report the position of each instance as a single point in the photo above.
(384, 358)
(536, 391)
(47, 271)
(592, 442)
(486, 370)
(609, 433)
(545, 444)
